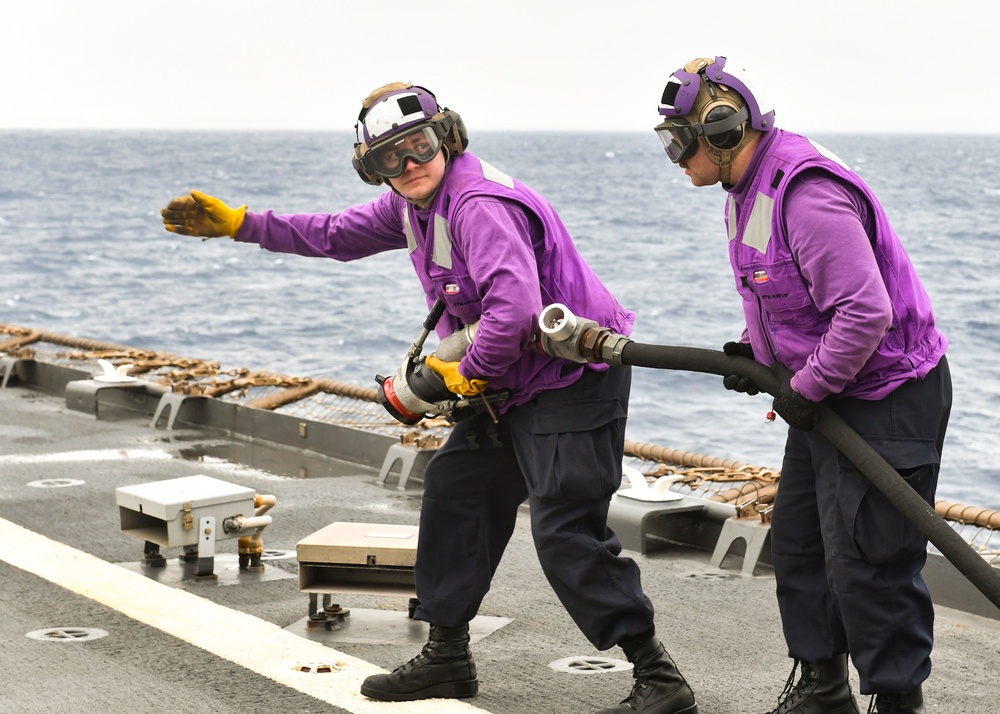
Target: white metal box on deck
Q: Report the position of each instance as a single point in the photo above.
(358, 558)
(168, 512)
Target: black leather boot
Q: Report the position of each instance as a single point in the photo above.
(444, 668)
(659, 688)
(910, 703)
(823, 688)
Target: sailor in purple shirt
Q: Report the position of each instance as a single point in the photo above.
(496, 253)
(828, 292)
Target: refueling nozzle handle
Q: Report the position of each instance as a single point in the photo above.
(430, 322)
(437, 310)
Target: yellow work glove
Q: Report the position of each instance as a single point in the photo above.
(453, 379)
(202, 215)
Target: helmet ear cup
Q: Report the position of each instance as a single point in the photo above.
(368, 177)
(457, 139)
(732, 138)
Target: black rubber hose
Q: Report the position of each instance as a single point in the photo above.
(840, 434)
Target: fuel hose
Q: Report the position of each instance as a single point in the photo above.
(840, 434)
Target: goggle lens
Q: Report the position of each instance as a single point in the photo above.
(389, 159)
(679, 140)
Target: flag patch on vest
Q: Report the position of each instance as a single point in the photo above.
(451, 289)
(760, 277)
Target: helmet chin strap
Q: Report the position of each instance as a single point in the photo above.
(723, 158)
(725, 169)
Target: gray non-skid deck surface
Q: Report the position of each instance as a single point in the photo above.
(721, 628)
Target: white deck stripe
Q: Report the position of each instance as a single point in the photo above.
(248, 641)
(94, 455)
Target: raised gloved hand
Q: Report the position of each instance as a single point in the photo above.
(455, 380)
(202, 215)
(734, 381)
(791, 406)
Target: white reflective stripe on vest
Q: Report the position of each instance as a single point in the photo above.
(492, 173)
(758, 231)
(411, 240)
(441, 254)
(442, 242)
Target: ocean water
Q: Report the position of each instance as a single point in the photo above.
(83, 252)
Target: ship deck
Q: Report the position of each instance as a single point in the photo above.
(89, 627)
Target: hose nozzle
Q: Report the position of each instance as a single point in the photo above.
(564, 335)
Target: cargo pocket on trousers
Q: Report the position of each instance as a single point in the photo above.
(577, 450)
(881, 532)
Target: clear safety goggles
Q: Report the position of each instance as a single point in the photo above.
(389, 159)
(680, 139)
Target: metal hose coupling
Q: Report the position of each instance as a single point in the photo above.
(564, 335)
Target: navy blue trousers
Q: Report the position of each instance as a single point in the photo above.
(563, 453)
(847, 563)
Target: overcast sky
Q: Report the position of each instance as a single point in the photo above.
(845, 65)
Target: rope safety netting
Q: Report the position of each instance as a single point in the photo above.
(750, 489)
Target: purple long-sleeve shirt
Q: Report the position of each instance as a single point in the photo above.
(489, 246)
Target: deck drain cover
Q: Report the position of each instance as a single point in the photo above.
(277, 554)
(590, 665)
(707, 576)
(67, 634)
(56, 483)
(320, 667)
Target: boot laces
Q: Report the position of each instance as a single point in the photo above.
(883, 704)
(416, 662)
(643, 682)
(636, 693)
(795, 692)
(427, 656)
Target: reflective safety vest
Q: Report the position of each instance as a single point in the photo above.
(783, 322)
(438, 256)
